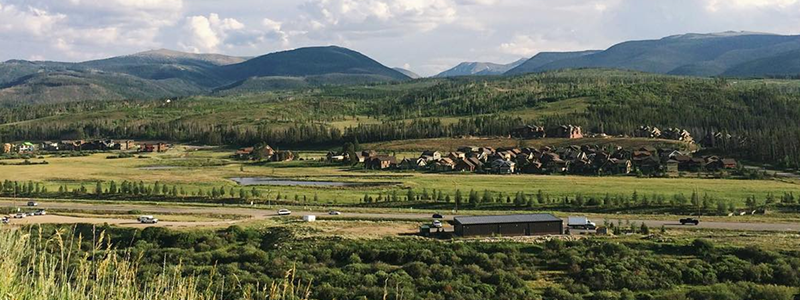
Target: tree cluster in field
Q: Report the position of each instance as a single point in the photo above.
(691, 203)
(414, 269)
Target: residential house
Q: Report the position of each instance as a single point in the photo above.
(528, 132)
(407, 164)
(279, 156)
(245, 153)
(433, 155)
(672, 166)
(467, 165)
(49, 146)
(26, 147)
(566, 131)
(456, 156)
(444, 165)
(729, 163)
(647, 132)
(124, 145)
(500, 166)
(381, 162)
(620, 166)
(76, 145)
(153, 147)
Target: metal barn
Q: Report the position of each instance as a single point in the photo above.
(509, 225)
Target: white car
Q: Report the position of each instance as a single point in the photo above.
(284, 212)
(20, 216)
(32, 204)
(148, 220)
(437, 224)
(4, 220)
(334, 213)
(40, 212)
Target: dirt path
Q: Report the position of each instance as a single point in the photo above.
(262, 214)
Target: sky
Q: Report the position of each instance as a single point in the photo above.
(425, 36)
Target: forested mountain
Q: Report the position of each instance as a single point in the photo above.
(311, 61)
(480, 69)
(165, 73)
(731, 53)
(532, 65)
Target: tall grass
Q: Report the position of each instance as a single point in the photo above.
(36, 268)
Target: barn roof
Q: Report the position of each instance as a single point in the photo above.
(529, 218)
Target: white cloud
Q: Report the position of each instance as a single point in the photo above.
(353, 18)
(207, 34)
(530, 45)
(717, 5)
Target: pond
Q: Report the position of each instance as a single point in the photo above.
(246, 181)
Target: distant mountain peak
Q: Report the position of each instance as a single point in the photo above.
(714, 35)
(480, 68)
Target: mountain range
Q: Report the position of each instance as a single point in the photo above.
(480, 69)
(739, 54)
(165, 73)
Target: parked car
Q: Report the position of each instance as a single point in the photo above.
(4, 220)
(690, 221)
(334, 213)
(33, 203)
(284, 212)
(40, 212)
(438, 216)
(437, 224)
(581, 223)
(20, 216)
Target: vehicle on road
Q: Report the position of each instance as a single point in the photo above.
(284, 212)
(4, 220)
(692, 221)
(334, 213)
(33, 203)
(438, 216)
(581, 223)
(40, 212)
(437, 224)
(20, 216)
(147, 220)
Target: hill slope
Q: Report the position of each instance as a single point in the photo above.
(480, 69)
(309, 62)
(544, 58)
(689, 54)
(408, 73)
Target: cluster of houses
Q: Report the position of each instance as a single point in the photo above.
(539, 132)
(83, 145)
(576, 132)
(263, 153)
(588, 160)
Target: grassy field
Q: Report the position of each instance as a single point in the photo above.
(204, 169)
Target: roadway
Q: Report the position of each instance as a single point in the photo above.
(254, 214)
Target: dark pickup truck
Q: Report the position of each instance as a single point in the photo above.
(690, 221)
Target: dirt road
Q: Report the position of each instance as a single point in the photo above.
(262, 214)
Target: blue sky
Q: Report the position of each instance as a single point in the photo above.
(426, 36)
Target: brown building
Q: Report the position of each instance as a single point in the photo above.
(6, 148)
(509, 225)
(381, 162)
(566, 132)
(528, 132)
